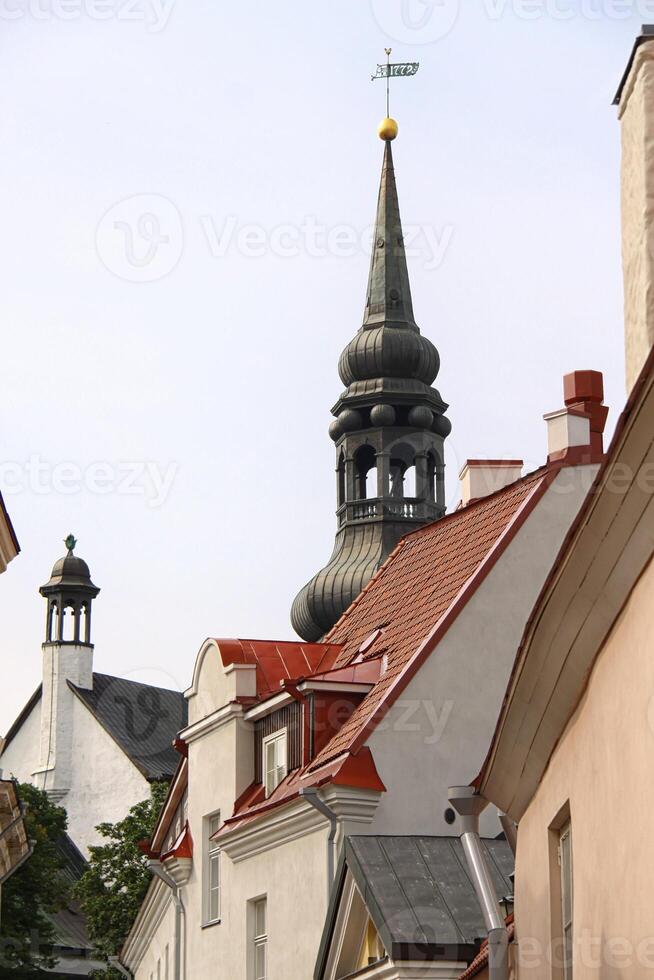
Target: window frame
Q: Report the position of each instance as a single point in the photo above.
(565, 857)
(278, 737)
(211, 861)
(259, 939)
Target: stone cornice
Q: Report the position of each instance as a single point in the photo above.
(214, 721)
(296, 819)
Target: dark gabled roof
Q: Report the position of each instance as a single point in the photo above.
(143, 720)
(419, 894)
(646, 34)
(69, 923)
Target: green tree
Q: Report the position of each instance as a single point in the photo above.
(35, 891)
(117, 877)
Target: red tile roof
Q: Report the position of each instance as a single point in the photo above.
(414, 598)
(418, 590)
(278, 661)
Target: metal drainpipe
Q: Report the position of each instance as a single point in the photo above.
(510, 831)
(157, 869)
(117, 965)
(469, 806)
(311, 795)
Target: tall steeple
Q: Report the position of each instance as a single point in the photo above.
(389, 427)
(67, 660)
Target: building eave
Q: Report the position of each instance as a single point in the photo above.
(587, 588)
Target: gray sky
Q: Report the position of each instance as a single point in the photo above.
(186, 190)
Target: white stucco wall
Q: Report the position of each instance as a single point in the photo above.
(436, 735)
(21, 756)
(104, 782)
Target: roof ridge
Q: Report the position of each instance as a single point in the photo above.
(127, 680)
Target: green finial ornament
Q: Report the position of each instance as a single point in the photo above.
(70, 543)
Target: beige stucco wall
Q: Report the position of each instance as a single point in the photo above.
(603, 766)
(637, 183)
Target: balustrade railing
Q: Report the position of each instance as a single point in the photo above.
(400, 508)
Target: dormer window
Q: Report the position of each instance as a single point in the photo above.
(275, 759)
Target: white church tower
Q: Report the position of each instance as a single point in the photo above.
(67, 659)
(93, 741)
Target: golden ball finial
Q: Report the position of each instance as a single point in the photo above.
(387, 129)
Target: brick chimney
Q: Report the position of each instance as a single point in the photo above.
(575, 433)
(635, 101)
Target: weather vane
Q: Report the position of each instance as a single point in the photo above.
(388, 71)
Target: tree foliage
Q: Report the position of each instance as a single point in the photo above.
(116, 879)
(37, 889)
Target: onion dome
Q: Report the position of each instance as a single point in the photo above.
(70, 573)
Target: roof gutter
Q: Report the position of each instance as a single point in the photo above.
(158, 870)
(469, 806)
(311, 795)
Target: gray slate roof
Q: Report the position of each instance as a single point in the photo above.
(419, 894)
(143, 720)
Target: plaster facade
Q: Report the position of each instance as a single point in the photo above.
(609, 799)
(637, 183)
(101, 783)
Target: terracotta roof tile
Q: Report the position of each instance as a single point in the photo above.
(414, 590)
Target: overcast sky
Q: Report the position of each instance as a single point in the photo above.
(186, 191)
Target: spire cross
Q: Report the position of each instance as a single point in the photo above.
(389, 71)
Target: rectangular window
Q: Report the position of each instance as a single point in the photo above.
(565, 862)
(166, 964)
(274, 760)
(260, 940)
(211, 871)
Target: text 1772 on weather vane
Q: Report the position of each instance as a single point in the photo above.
(388, 127)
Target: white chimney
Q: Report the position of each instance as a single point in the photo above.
(481, 477)
(566, 429)
(635, 101)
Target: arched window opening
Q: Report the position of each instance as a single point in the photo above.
(365, 462)
(83, 627)
(410, 481)
(67, 633)
(340, 480)
(431, 476)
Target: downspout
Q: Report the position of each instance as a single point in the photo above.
(117, 965)
(510, 831)
(311, 795)
(157, 869)
(469, 806)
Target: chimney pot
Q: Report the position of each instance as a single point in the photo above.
(583, 386)
(481, 477)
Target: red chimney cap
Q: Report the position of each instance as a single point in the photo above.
(583, 386)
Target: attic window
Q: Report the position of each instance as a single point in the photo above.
(368, 643)
(275, 756)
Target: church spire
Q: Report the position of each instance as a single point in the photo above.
(388, 298)
(389, 427)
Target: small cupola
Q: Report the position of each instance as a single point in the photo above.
(69, 591)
